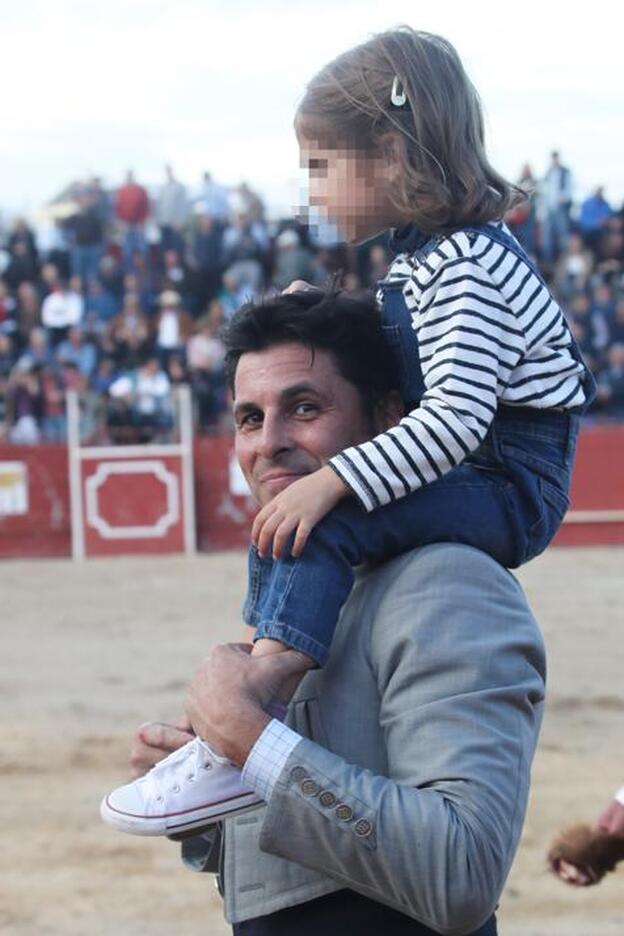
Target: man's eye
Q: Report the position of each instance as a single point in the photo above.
(306, 409)
(250, 421)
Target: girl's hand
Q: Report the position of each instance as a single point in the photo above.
(299, 507)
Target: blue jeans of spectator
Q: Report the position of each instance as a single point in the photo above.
(55, 428)
(555, 233)
(133, 242)
(85, 261)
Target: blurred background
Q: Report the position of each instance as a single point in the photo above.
(149, 184)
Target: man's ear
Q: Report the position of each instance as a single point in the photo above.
(389, 412)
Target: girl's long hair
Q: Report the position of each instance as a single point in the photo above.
(436, 136)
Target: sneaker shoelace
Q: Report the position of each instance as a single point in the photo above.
(178, 769)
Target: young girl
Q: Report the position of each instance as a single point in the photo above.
(493, 382)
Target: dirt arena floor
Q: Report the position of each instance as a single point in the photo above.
(88, 651)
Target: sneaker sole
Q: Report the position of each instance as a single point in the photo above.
(174, 823)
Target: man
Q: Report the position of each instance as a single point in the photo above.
(132, 209)
(395, 796)
(172, 212)
(556, 202)
(140, 403)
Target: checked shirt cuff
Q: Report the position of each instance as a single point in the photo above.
(268, 756)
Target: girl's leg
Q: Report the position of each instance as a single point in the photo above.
(296, 602)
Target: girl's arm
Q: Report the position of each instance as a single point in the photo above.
(468, 343)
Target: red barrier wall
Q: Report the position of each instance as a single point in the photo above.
(597, 484)
(45, 529)
(224, 514)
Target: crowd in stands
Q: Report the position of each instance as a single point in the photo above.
(122, 294)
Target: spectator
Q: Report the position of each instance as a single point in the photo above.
(593, 216)
(144, 281)
(7, 360)
(611, 383)
(87, 237)
(247, 202)
(573, 268)
(61, 309)
(129, 334)
(175, 274)
(24, 405)
(206, 255)
(244, 240)
(616, 329)
(172, 212)
(28, 310)
(176, 371)
(211, 199)
(292, 261)
(205, 356)
(37, 352)
(101, 201)
(131, 209)
(378, 261)
(173, 327)
(22, 267)
(104, 304)
(110, 276)
(522, 219)
(75, 350)
(23, 236)
(556, 201)
(140, 406)
(54, 422)
(610, 249)
(8, 310)
(233, 293)
(104, 376)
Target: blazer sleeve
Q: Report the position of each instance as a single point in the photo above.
(459, 666)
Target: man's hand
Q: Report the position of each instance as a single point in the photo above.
(298, 507)
(228, 696)
(155, 740)
(611, 820)
(297, 286)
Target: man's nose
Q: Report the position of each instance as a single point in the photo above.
(273, 437)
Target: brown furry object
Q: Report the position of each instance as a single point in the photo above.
(590, 852)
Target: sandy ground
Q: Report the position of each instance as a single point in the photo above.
(88, 651)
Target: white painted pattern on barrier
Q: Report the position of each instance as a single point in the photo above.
(118, 467)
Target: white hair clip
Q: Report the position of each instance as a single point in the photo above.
(397, 95)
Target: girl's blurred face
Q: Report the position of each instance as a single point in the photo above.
(350, 186)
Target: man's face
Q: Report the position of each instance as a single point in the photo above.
(293, 411)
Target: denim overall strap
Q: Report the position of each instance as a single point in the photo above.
(397, 321)
(506, 240)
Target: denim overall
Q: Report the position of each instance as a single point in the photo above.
(508, 498)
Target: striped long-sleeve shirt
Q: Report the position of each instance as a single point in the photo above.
(487, 330)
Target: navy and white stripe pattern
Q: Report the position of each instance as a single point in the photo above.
(488, 330)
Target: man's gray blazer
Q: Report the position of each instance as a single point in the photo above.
(412, 787)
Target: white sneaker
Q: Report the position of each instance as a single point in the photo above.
(190, 788)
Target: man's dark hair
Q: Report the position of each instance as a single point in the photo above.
(346, 325)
